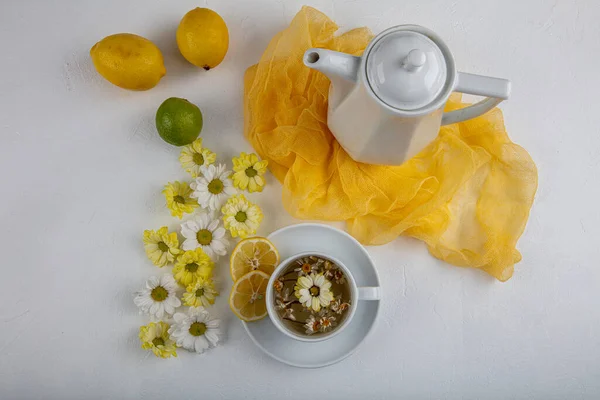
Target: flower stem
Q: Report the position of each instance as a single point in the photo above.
(293, 320)
(291, 303)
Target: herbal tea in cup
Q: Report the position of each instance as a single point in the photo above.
(312, 296)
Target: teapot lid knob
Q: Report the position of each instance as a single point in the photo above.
(414, 60)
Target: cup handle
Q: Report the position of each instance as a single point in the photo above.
(369, 293)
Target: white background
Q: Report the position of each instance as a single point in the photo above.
(82, 169)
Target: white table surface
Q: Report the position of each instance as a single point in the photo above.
(82, 170)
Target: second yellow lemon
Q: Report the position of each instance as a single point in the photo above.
(203, 38)
(128, 61)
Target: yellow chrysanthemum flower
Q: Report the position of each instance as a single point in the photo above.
(200, 294)
(249, 172)
(179, 200)
(241, 217)
(161, 246)
(155, 337)
(192, 265)
(193, 156)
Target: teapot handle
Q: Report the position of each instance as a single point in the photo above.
(495, 89)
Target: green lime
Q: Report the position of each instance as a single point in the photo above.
(178, 121)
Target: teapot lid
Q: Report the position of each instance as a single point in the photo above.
(407, 70)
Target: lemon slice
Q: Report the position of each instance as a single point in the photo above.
(253, 254)
(248, 296)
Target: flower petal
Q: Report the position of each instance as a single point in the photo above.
(190, 244)
(305, 282)
(304, 294)
(187, 342)
(160, 312)
(152, 282)
(319, 280)
(203, 221)
(173, 301)
(316, 304)
(325, 299)
(169, 309)
(179, 317)
(219, 248)
(218, 233)
(192, 225)
(213, 225)
(213, 323)
(200, 344)
(229, 190)
(212, 336)
(252, 186)
(187, 232)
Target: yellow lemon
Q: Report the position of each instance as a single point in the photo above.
(251, 254)
(128, 61)
(203, 38)
(247, 299)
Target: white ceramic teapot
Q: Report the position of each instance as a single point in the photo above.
(387, 105)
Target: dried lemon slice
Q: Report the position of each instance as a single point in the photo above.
(248, 296)
(253, 254)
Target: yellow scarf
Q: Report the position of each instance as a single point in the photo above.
(467, 195)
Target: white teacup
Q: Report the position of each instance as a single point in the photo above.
(356, 294)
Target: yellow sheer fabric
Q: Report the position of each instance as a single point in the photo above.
(467, 195)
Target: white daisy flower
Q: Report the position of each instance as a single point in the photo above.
(205, 232)
(196, 330)
(159, 297)
(214, 187)
(313, 291)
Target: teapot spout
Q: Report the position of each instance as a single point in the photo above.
(333, 64)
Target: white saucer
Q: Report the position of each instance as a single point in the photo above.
(320, 238)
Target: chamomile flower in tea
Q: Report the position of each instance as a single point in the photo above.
(278, 285)
(339, 276)
(312, 296)
(313, 291)
(326, 323)
(312, 325)
(338, 306)
(306, 266)
(328, 269)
